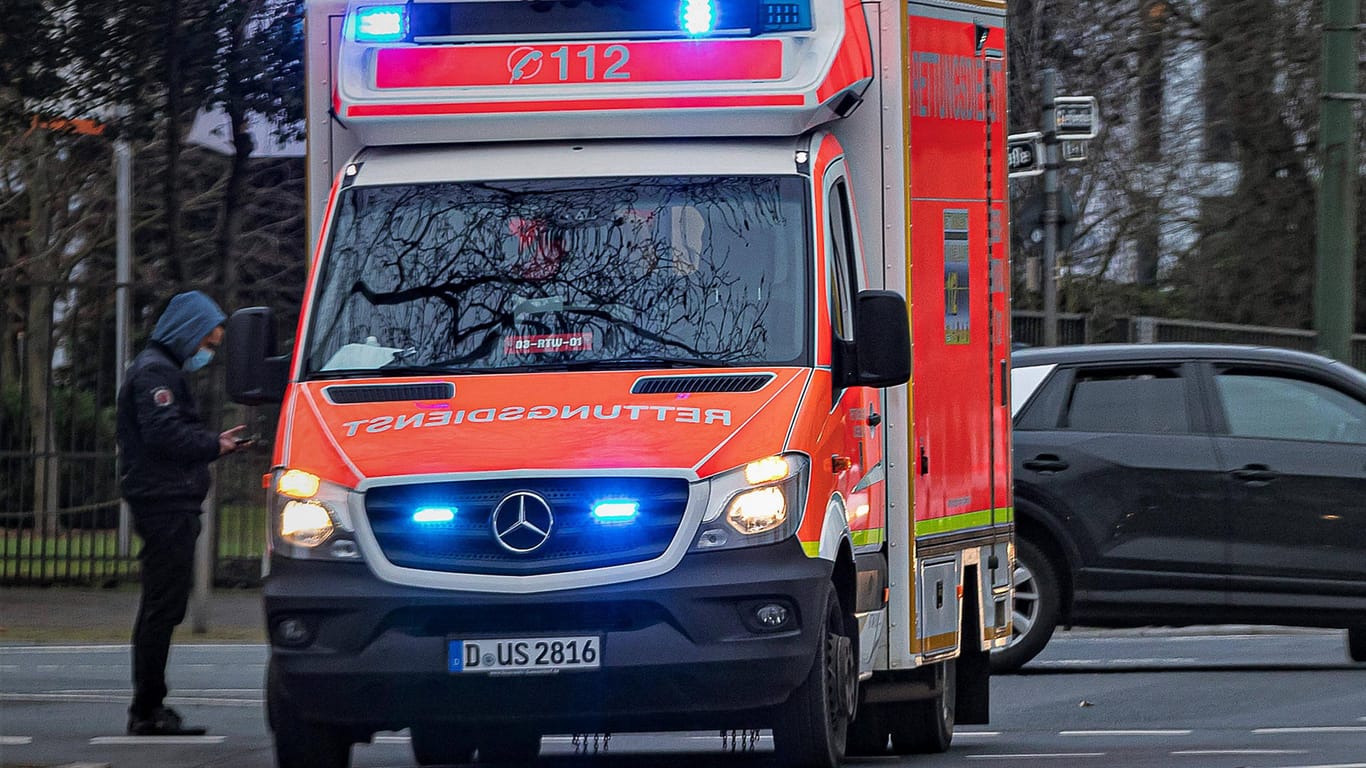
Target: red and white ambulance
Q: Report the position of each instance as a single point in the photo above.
(651, 376)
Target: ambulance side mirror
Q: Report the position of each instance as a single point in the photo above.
(882, 335)
(256, 373)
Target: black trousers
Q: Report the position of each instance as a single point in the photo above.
(167, 557)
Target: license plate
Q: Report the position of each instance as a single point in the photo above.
(523, 654)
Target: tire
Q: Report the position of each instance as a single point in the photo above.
(300, 743)
(1038, 605)
(441, 745)
(925, 726)
(1356, 643)
(868, 734)
(812, 727)
(509, 747)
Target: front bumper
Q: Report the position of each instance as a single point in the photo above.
(680, 650)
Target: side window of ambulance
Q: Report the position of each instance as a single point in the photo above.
(1145, 400)
(842, 274)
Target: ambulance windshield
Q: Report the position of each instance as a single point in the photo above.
(565, 273)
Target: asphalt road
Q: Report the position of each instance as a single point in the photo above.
(1218, 698)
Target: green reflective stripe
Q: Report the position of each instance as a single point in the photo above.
(965, 521)
(811, 548)
(864, 538)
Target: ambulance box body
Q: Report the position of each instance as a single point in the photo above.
(650, 376)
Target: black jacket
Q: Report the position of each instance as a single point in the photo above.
(164, 446)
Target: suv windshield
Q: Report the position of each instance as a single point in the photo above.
(596, 273)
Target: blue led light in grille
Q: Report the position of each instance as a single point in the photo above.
(616, 511)
(434, 515)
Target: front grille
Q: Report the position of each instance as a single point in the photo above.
(576, 541)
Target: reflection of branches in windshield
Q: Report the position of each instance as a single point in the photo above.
(686, 265)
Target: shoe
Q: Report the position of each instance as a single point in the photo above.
(163, 722)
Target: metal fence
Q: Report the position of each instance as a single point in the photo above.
(1028, 329)
(59, 500)
(61, 519)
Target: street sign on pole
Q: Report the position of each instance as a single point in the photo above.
(1073, 150)
(1078, 117)
(1024, 154)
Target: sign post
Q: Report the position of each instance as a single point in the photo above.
(1069, 123)
(1077, 117)
(1024, 154)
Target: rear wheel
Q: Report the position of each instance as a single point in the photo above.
(1356, 643)
(1038, 602)
(925, 726)
(812, 728)
(300, 743)
(441, 745)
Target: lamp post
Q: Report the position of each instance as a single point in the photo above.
(1335, 284)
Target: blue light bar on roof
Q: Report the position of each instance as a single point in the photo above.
(381, 23)
(697, 17)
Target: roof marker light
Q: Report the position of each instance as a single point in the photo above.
(698, 17)
(615, 511)
(434, 515)
(381, 23)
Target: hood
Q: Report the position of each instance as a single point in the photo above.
(552, 421)
(187, 320)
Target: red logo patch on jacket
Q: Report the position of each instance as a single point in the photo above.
(163, 397)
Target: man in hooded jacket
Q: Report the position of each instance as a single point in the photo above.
(164, 451)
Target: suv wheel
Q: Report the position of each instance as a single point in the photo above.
(1037, 607)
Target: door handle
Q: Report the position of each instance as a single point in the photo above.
(1045, 462)
(874, 418)
(1255, 473)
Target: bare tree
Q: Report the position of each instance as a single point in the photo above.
(1198, 198)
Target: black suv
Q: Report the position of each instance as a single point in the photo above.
(1166, 484)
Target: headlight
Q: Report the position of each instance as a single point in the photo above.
(310, 517)
(759, 503)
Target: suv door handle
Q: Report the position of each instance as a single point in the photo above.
(1045, 462)
(1255, 473)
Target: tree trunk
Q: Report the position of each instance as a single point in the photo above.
(38, 346)
(171, 186)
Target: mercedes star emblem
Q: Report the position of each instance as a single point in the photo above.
(522, 522)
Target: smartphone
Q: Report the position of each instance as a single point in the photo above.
(241, 441)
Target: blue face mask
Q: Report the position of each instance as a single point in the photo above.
(198, 360)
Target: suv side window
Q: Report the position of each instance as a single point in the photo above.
(1264, 404)
(1149, 399)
